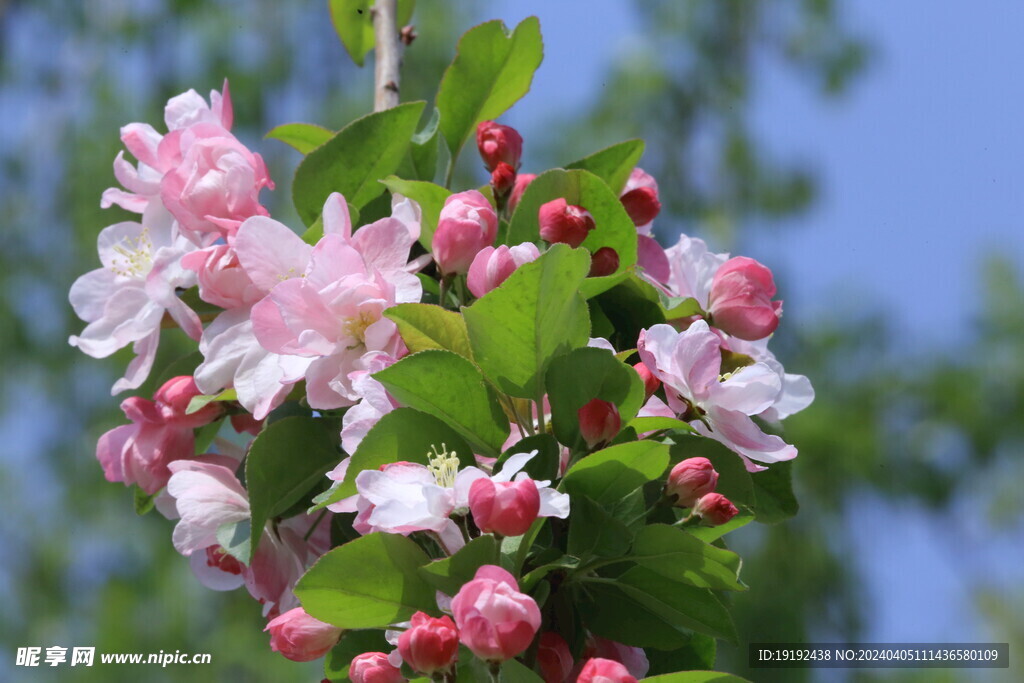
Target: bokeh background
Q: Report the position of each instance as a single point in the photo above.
(871, 153)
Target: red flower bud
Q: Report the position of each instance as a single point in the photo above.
(604, 671)
(740, 300)
(430, 644)
(642, 205)
(604, 261)
(503, 179)
(599, 422)
(554, 658)
(714, 509)
(507, 508)
(563, 222)
(300, 637)
(497, 144)
(691, 479)
(651, 383)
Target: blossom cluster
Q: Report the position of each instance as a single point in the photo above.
(308, 330)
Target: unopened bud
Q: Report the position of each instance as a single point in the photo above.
(651, 383)
(714, 509)
(642, 205)
(497, 144)
(522, 181)
(503, 179)
(599, 422)
(605, 261)
(564, 222)
(691, 479)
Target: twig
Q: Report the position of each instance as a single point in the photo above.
(388, 51)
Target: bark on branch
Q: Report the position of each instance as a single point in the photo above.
(388, 55)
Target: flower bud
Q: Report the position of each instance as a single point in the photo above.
(506, 508)
(498, 144)
(691, 479)
(466, 225)
(492, 266)
(496, 622)
(172, 400)
(564, 222)
(522, 180)
(554, 658)
(714, 509)
(222, 279)
(740, 300)
(300, 637)
(642, 205)
(599, 670)
(430, 644)
(605, 261)
(651, 383)
(503, 179)
(599, 422)
(374, 667)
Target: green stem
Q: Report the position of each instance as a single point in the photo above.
(445, 286)
(494, 670)
(314, 525)
(540, 413)
(450, 173)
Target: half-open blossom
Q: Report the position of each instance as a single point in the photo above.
(300, 637)
(504, 508)
(714, 509)
(599, 422)
(160, 433)
(599, 670)
(496, 622)
(692, 268)
(492, 265)
(718, 406)
(554, 658)
(466, 225)
(740, 299)
(222, 279)
(561, 222)
(429, 644)
(640, 198)
(498, 144)
(374, 667)
(691, 479)
(124, 301)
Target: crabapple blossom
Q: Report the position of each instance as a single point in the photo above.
(300, 637)
(375, 403)
(466, 225)
(374, 667)
(640, 199)
(717, 406)
(125, 300)
(504, 508)
(564, 222)
(599, 422)
(429, 644)
(740, 299)
(498, 144)
(714, 509)
(599, 670)
(691, 269)
(492, 265)
(496, 622)
(222, 279)
(691, 479)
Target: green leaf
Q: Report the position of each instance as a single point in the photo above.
(448, 575)
(370, 582)
(696, 677)
(613, 226)
(403, 434)
(354, 160)
(429, 196)
(581, 375)
(610, 474)
(234, 538)
(352, 643)
(144, 502)
(353, 23)
(677, 555)
(491, 71)
(449, 387)
(773, 490)
(674, 307)
(593, 532)
(206, 434)
(630, 306)
(713, 533)
(699, 653)
(613, 164)
(421, 161)
(286, 460)
(304, 137)
(199, 402)
(654, 423)
(544, 465)
(537, 313)
(474, 670)
(426, 326)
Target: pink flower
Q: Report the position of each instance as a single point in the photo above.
(554, 658)
(714, 509)
(466, 225)
(653, 259)
(604, 261)
(430, 644)
(222, 279)
(492, 266)
(718, 406)
(505, 508)
(599, 422)
(640, 198)
(740, 300)
(124, 301)
(691, 479)
(522, 181)
(565, 223)
(496, 622)
(604, 671)
(691, 269)
(375, 403)
(498, 144)
(300, 637)
(374, 667)
(160, 433)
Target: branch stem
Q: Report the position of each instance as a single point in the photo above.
(388, 55)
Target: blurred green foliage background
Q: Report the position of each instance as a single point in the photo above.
(935, 435)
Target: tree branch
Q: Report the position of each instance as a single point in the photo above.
(388, 55)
